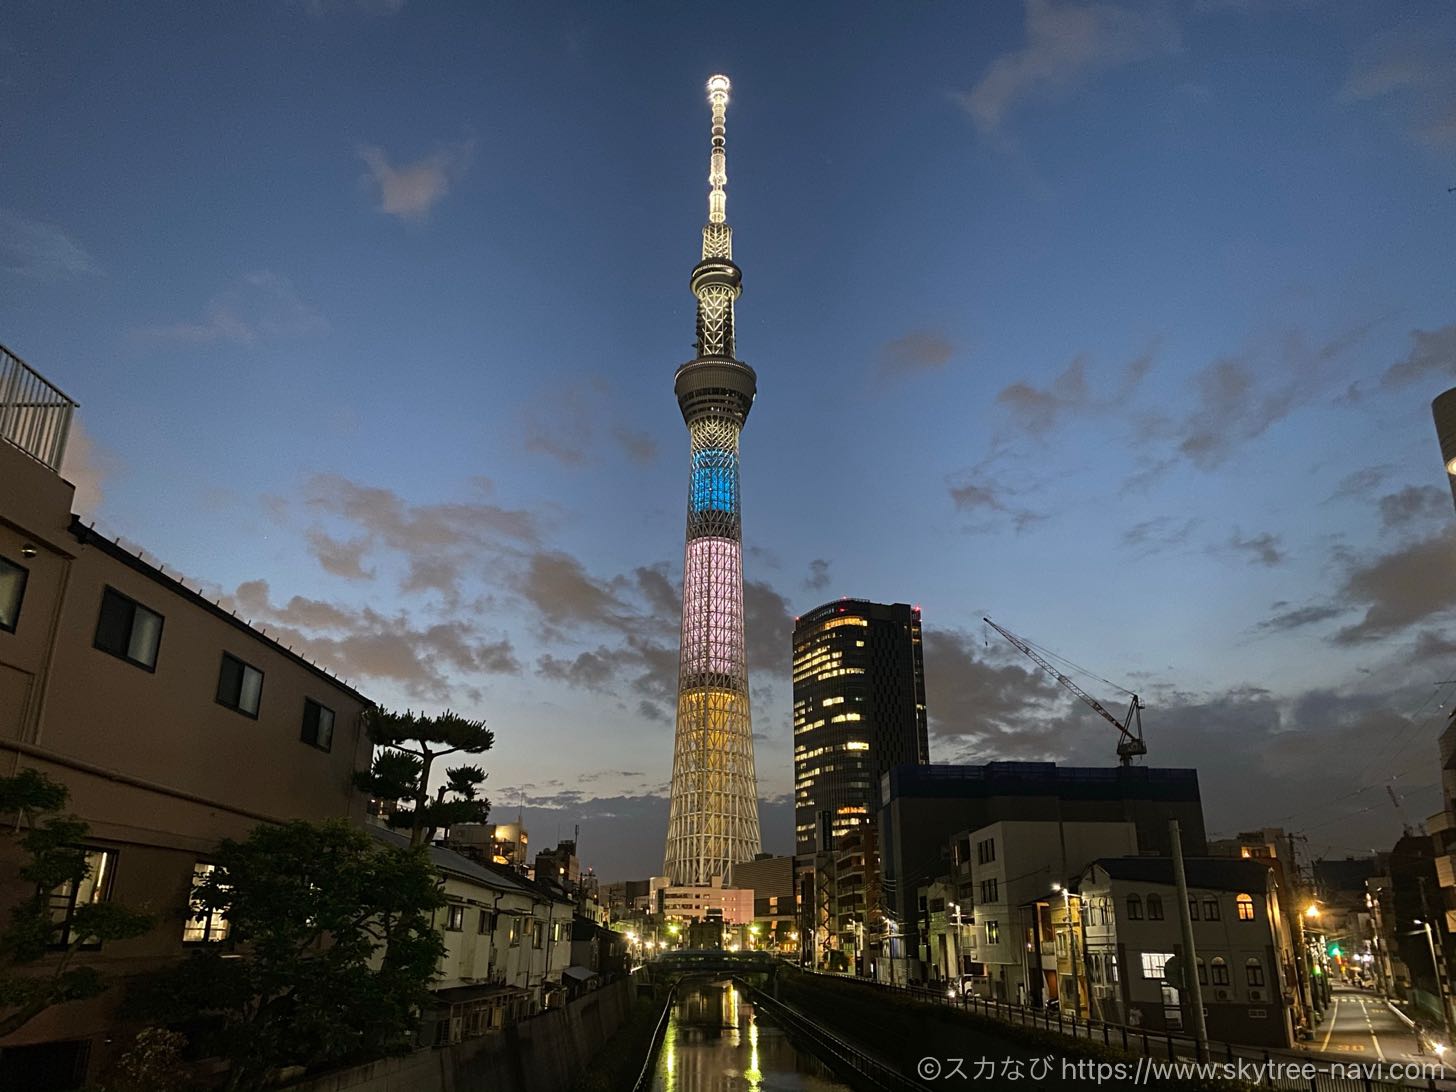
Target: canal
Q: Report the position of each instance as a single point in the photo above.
(717, 1041)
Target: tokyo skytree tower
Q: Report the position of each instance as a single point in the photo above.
(713, 821)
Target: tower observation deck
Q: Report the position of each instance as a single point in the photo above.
(713, 818)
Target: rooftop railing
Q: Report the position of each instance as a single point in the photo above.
(35, 415)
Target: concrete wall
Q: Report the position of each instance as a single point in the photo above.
(543, 1054)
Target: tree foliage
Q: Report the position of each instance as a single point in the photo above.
(330, 952)
(153, 1063)
(37, 947)
(409, 744)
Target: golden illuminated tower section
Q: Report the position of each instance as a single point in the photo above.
(713, 820)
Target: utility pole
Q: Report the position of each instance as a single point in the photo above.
(1190, 952)
(1437, 964)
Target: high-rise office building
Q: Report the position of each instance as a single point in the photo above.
(859, 711)
(713, 815)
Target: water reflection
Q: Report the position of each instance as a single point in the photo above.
(717, 1041)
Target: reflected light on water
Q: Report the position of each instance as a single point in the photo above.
(716, 1041)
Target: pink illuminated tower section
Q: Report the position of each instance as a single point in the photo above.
(713, 821)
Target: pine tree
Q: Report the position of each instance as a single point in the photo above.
(400, 772)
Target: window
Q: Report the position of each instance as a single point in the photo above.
(1134, 908)
(1254, 971)
(538, 934)
(12, 591)
(487, 922)
(993, 932)
(990, 890)
(239, 685)
(1192, 908)
(318, 725)
(1245, 903)
(558, 931)
(454, 918)
(986, 851)
(515, 934)
(203, 926)
(1220, 971)
(1155, 907)
(1210, 909)
(128, 629)
(1202, 973)
(68, 897)
(1154, 964)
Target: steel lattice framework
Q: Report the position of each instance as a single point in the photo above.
(713, 821)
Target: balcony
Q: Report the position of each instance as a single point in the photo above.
(34, 415)
(1446, 870)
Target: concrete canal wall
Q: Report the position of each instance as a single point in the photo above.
(543, 1054)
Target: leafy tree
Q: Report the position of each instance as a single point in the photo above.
(401, 770)
(330, 952)
(153, 1063)
(31, 804)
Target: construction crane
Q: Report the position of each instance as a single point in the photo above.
(1130, 742)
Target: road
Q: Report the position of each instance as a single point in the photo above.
(1360, 1027)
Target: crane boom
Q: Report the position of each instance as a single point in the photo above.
(1129, 744)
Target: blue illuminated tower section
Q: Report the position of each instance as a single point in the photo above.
(713, 820)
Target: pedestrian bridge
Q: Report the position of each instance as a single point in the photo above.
(687, 960)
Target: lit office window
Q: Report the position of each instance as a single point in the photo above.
(203, 925)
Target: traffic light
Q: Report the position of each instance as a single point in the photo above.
(1334, 950)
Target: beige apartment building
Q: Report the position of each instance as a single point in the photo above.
(173, 724)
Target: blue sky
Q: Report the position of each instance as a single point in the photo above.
(1119, 322)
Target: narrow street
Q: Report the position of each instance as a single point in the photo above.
(1361, 1027)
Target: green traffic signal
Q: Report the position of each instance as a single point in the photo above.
(1334, 951)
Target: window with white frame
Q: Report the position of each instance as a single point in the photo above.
(128, 630)
(239, 685)
(318, 725)
(1155, 964)
(203, 925)
(12, 593)
(66, 898)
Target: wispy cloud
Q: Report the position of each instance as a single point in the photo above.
(1037, 409)
(41, 251)
(818, 578)
(1409, 74)
(410, 190)
(1239, 397)
(1066, 46)
(1432, 354)
(917, 352)
(1160, 533)
(1414, 504)
(86, 466)
(259, 306)
(1399, 589)
(432, 661)
(1262, 549)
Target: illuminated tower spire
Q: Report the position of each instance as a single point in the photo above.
(713, 820)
